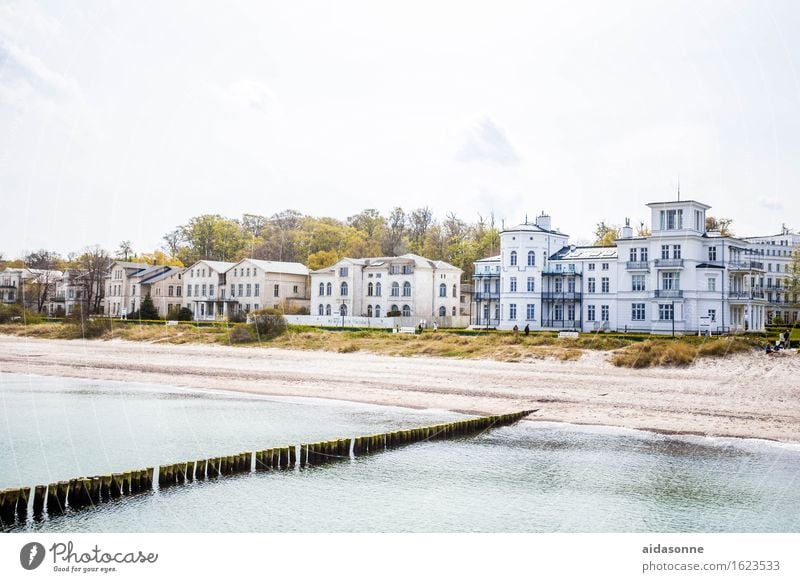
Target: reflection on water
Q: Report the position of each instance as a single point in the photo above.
(528, 477)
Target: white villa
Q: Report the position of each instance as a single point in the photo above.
(681, 278)
(406, 286)
(120, 297)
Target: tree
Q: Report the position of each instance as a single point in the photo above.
(605, 234)
(419, 223)
(394, 241)
(125, 250)
(794, 276)
(173, 241)
(43, 267)
(642, 229)
(93, 265)
(211, 237)
(719, 224)
(147, 310)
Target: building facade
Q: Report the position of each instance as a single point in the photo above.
(680, 278)
(404, 286)
(121, 296)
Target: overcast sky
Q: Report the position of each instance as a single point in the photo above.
(121, 120)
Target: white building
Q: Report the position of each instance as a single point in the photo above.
(680, 278)
(406, 286)
(120, 296)
(163, 284)
(204, 289)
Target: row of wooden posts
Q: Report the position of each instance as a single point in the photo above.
(90, 491)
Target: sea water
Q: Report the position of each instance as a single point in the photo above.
(529, 477)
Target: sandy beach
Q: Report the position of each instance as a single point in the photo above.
(745, 395)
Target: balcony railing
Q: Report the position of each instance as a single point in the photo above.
(561, 296)
(562, 323)
(637, 266)
(750, 294)
(495, 274)
(668, 293)
(560, 270)
(487, 296)
(669, 263)
(745, 266)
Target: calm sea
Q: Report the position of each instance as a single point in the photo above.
(530, 477)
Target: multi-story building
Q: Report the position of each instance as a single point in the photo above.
(204, 289)
(254, 284)
(777, 252)
(32, 288)
(406, 286)
(486, 292)
(679, 278)
(11, 285)
(163, 284)
(120, 292)
(69, 292)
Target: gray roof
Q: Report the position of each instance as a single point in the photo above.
(411, 258)
(530, 227)
(584, 253)
(279, 267)
(158, 273)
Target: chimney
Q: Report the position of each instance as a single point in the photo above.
(543, 221)
(627, 231)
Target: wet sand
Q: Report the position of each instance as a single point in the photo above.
(744, 395)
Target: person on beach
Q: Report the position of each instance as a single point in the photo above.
(420, 327)
(435, 326)
(768, 349)
(527, 329)
(516, 329)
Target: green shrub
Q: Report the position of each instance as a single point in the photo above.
(395, 313)
(13, 313)
(240, 334)
(237, 317)
(148, 310)
(86, 326)
(267, 325)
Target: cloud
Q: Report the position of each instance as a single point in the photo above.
(773, 205)
(488, 143)
(248, 95)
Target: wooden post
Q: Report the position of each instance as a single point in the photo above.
(53, 506)
(126, 483)
(200, 469)
(134, 482)
(116, 485)
(105, 486)
(22, 502)
(162, 476)
(38, 500)
(292, 456)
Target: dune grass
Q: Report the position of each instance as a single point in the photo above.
(678, 352)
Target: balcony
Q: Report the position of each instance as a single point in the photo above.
(487, 296)
(561, 296)
(745, 295)
(562, 323)
(494, 274)
(669, 263)
(668, 294)
(559, 270)
(745, 266)
(637, 266)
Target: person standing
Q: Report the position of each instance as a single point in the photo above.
(527, 329)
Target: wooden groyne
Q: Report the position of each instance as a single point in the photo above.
(83, 492)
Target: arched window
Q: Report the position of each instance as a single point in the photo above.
(377, 289)
(343, 289)
(531, 258)
(513, 258)
(328, 309)
(406, 311)
(343, 310)
(394, 309)
(321, 309)
(369, 309)
(442, 290)
(406, 289)
(395, 289)
(454, 291)
(442, 311)
(330, 289)
(322, 289)
(378, 309)
(370, 288)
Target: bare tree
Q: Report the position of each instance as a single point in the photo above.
(125, 250)
(94, 264)
(393, 243)
(172, 242)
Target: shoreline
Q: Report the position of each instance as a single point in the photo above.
(741, 396)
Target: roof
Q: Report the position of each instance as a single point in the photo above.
(530, 227)
(671, 202)
(709, 266)
(158, 273)
(218, 266)
(129, 265)
(408, 258)
(489, 259)
(584, 253)
(278, 266)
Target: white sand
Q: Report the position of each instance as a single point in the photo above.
(746, 395)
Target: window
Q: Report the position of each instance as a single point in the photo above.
(512, 311)
(666, 311)
(258, 289)
(377, 290)
(676, 251)
(343, 289)
(671, 219)
(513, 258)
(377, 311)
(203, 288)
(604, 285)
(395, 289)
(322, 290)
(369, 310)
(170, 291)
(370, 290)
(329, 288)
(248, 271)
(344, 271)
(407, 289)
(571, 312)
(664, 251)
(712, 314)
(513, 285)
(559, 285)
(637, 283)
(643, 253)
(605, 266)
(188, 290)
(591, 285)
(454, 310)
(455, 292)
(321, 309)
(531, 284)
(249, 290)
(407, 270)
(406, 311)
(637, 311)
(633, 253)
(179, 290)
(241, 290)
(712, 284)
(571, 285)
(343, 310)
(712, 253)
(531, 258)
(558, 312)
(591, 266)
(233, 290)
(670, 281)
(211, 290)
(699, 224)
(604, 312)
(394, 309)
(442, 311)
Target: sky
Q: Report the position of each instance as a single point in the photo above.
(121, 120)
